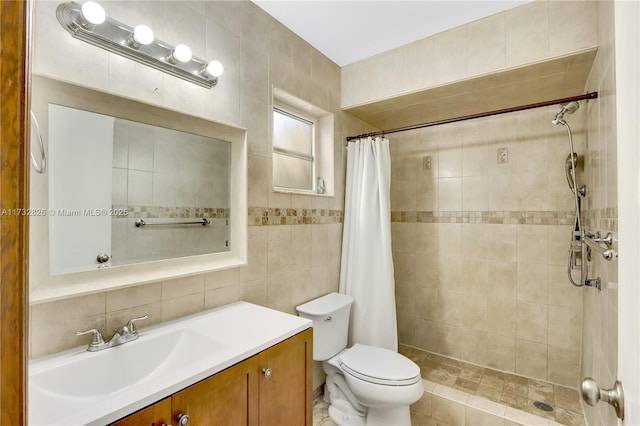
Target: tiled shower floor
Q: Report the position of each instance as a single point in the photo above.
(504, 388)
(508, 389)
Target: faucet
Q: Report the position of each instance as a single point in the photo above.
(127, 333)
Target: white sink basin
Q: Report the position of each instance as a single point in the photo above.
(117, 369)
(77, 387)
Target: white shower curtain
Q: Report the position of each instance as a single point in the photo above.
(366, 271)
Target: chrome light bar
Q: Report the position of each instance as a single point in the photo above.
(117, 37)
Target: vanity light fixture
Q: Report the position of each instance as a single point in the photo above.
(89, 22)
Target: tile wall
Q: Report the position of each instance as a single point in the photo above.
(290, 261)
(480, 243)
(525, 34)
(600, 332)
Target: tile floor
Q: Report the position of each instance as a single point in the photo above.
(504, 388)
(508, 389)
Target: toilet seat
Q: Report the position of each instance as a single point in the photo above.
(379, 365)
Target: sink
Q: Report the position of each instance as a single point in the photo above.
(100, 374)
(77, 387)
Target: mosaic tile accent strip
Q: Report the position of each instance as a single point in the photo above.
(269, 216)
(490, 217)
(602, 219)
(148, 212)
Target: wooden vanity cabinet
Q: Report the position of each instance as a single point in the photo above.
(272, 388)
(158, 414)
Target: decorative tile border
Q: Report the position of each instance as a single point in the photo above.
(490, 217)
(147, 212)
(269, 216)
(602, 219)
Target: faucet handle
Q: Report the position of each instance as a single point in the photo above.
(131, 324)
(97, 336)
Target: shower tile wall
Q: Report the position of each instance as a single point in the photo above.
(290, 261)
(600, 332)
(480, 244)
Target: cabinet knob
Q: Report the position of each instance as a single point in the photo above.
(183, 419)
(267, 372)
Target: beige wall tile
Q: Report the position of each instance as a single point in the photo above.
(487, 44)
(448, 340)
(565, 327)
(404, 272)
(501, 352)
(576, 33)
(532, 244)
(473, 311)
(527, 33)
(564, 366)
(279, 292)
(427, 238)
(501, 242)
(403, 237)
(450, 194)
(475, 191)
(427, 269)
(254, 291)
(133, 296)
(473, 347)
(501, 316)
(533, 282)
(182, 305)
(531, 359)
(182, 286)
(220, 296)
(501, 279)
(450, 54)
(425, 334)
(531, 322)
(419, 64)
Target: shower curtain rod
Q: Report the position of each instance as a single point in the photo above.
(590, 95)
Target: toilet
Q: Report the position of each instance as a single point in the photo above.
(366, 385)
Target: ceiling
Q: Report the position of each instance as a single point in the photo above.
(348, 31)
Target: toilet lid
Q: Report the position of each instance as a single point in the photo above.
(379, 365)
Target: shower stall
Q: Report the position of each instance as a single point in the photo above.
(478, 204)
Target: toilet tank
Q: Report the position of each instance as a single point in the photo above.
(330, 316)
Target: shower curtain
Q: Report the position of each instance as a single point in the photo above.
(366, 271)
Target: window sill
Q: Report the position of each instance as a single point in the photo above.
(300, 192)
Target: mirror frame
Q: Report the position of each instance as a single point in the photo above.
(45, 287)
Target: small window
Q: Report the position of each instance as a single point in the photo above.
(293, 151)
(303, 141)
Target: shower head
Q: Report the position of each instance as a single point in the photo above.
(570, 108)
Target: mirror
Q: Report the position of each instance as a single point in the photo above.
(133, 193)
(123, 192)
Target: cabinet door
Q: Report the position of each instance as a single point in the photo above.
(157, 414)
(285, 382)
(227, 398)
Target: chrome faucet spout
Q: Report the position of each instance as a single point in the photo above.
(126, 334)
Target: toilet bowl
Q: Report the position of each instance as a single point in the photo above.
(365, 385)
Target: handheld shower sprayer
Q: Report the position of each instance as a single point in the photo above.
(570, 108)
(575, 260)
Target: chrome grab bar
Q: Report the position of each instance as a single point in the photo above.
(43, 162)
(141, 223)
(595, 241)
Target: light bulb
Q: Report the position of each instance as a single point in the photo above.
(143, 34)
(93, 13)
(181, 53)
(215, 68)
